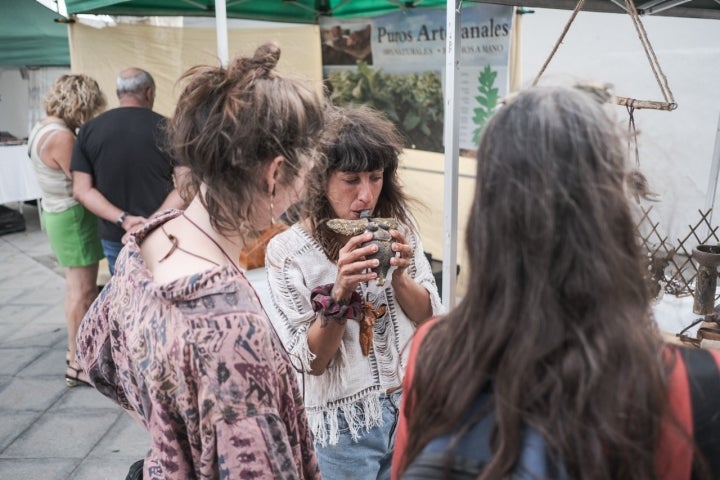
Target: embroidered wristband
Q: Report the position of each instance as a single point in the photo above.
(322, 301)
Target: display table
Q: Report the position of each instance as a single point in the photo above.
(673, 314)
(17, 177)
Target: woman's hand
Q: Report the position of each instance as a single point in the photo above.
(400, 245)
(324, 337)
(412, 297)
(132, 224)
(353, 266)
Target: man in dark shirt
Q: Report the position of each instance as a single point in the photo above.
(119, 168)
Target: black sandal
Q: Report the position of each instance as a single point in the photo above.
(72, 377)
(136, 471)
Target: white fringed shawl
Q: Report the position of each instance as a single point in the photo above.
(353, 383)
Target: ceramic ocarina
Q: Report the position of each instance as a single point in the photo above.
(380, 228)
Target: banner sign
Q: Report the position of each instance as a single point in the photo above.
(396, 62)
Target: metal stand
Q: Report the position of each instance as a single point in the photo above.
(708, 258)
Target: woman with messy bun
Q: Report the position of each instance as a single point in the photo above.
(178, 337)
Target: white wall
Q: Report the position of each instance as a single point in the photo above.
(21, 98)
(13, 102)
(676, 148)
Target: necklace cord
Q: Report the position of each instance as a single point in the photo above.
(222, 250)
(176, 246)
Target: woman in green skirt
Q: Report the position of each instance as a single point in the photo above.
(71, 229)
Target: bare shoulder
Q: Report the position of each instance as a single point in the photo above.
(165, 252)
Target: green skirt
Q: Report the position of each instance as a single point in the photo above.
(73, 236)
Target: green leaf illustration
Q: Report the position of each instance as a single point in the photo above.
(487, 99)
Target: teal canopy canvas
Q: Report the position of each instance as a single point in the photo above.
(30, 37)
(295, 11)
(308, 11)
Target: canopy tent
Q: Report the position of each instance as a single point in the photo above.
(309, 11)
(30, 37)
(674, 8)
(295, 11)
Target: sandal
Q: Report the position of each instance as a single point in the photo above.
(136, 471)
(72, 377)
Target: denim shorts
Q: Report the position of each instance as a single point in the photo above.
(112, 250)
(369, 457)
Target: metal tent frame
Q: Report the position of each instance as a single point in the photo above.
(308, 11)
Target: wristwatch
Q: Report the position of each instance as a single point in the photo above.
(121, 219)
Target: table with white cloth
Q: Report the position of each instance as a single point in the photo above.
(18, 182)
(673, 314)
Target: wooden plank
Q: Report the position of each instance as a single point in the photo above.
(647, 104)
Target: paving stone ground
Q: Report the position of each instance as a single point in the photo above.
(49, 431)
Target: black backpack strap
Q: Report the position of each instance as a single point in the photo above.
(704, 383)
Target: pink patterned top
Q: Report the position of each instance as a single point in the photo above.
(196, 361)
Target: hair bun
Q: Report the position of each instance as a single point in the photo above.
(267, 55)
(259, 66)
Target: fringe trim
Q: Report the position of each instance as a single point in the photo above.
(301, 351)
(360, 415)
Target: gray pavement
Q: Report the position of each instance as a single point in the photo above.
(47, 430)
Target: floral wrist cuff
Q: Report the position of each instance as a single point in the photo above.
(322, 301)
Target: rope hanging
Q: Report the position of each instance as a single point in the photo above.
(669, 103)
(577, 9)
(637, 183)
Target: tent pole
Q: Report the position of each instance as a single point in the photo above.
(713, 177)
(221, 31)
(451, 141)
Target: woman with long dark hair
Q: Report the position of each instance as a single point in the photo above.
(552, 366)
(347, 327)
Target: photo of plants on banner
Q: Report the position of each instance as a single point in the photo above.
(396, 63)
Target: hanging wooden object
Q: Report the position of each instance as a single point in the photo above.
(640, 104)
(668, 103)
(638, 186)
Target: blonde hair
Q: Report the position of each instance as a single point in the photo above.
(75, 99)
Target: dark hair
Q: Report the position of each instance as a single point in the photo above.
(556, 322)
(229, 123)
(357, 139)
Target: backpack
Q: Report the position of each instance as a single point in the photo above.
(472, 451)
